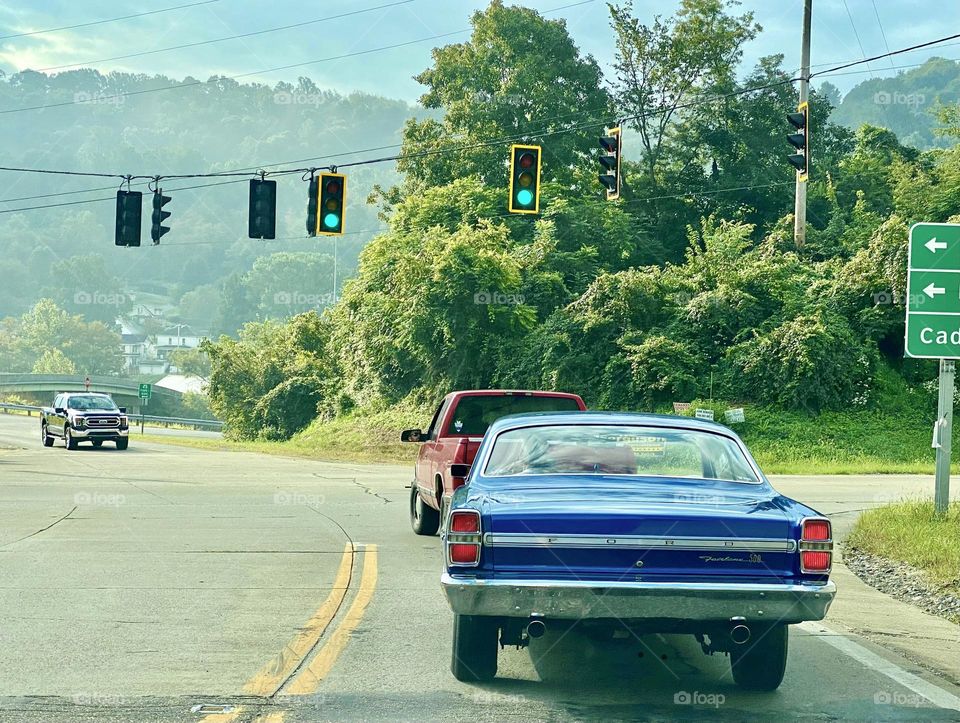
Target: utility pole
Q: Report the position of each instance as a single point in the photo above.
(800, 202)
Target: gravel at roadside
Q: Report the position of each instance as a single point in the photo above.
(904, 582)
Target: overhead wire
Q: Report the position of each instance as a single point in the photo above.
(107, 20)
(238, 36)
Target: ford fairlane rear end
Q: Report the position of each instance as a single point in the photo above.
(614, 521)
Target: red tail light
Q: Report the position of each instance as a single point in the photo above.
(816, 529)
(464, 522)
(464, 538)
(816, 545)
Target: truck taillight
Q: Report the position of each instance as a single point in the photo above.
(464, 538)
(816, 545)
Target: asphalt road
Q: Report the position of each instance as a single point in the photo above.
(138, 585)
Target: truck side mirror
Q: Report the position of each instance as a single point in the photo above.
(60, 410)
(411, 435)
(123, 410)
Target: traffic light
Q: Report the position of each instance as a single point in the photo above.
(524, 179)
(800, 140)
(313, 202)
(129, 210)
(157, 229)
(263, 209)
(333, 198)
(611, 144)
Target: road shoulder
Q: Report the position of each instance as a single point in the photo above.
(928, 640)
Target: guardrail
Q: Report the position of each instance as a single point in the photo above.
(214, 424)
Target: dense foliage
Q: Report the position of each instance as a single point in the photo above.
(690, 285)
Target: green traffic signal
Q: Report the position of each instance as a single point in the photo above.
(332, 203)
(524, 179)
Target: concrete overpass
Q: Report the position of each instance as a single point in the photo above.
(122, 389)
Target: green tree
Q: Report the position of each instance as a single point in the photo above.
(53, 361)
(520, 76)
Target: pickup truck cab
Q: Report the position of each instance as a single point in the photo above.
(84, 417)
(450, 443)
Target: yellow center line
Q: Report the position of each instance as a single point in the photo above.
(272, 675)
(309, 677)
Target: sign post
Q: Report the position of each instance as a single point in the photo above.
(933, 327)
(146, 391)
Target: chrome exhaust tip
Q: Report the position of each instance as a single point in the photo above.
(536, 629)
(740, 634)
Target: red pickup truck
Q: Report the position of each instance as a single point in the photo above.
(451, 442)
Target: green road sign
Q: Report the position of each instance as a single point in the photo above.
(146, 391)
(933, 291)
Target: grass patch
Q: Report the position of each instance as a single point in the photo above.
(372, 437)
(910, 532)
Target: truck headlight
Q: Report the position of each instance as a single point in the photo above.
(80, 422)
(124, 423)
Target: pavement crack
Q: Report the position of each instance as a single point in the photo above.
(42, 529)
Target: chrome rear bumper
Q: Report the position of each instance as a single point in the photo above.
(584, 600)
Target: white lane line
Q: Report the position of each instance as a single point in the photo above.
(935, 694)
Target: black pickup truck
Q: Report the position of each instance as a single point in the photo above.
(84, 417)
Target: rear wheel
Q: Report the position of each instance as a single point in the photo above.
(45, 436)
(475, 643)
(122, 443)
(68, 441)
(759, 664)
(423, 518)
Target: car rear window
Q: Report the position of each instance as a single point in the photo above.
(618, 450)
(473, 415)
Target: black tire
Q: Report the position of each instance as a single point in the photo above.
(68, 441)
(97, 443)
(475, 646)
(759, 664)
(423, 518)
(45, 436)
(123, 443)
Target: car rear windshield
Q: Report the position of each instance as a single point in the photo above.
(618, 450)
(94, 403)
(473, 415)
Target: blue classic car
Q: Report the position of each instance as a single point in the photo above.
(602, 520)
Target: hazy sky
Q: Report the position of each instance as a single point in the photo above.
(878, 23)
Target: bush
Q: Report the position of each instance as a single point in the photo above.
(811, 362)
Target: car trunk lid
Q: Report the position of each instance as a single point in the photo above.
(618, 529)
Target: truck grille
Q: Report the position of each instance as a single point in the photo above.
(103, 422)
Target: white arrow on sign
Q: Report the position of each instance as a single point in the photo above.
(933, 245)
(932, 290)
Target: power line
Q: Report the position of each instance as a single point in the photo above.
(853, 25)
(195, 83)
(471, 146)
(107, 20)
(882, 33)
(226, 38)
(886, 55)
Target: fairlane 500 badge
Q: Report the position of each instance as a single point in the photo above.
(754, 558)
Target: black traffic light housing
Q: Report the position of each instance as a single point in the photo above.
(611, 146)
(333, 200)
(524, 179)
(800, 140)
(313, 203)
(262, 220)
(157, 229)
(129, 211)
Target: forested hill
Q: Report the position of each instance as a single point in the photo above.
(138, 124)
(904, 103)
